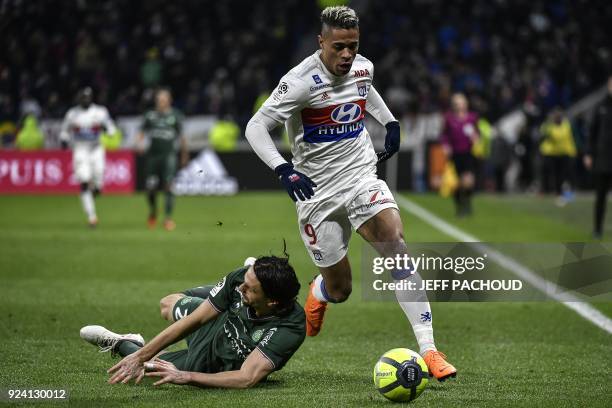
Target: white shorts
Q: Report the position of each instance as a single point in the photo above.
(88, 163)
(325, 226)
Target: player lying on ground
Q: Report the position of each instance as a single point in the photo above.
(237, 332)
(83, 126)
(322, 102)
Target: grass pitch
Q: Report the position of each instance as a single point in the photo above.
(57, 276)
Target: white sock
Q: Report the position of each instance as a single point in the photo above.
(88, 205)
(416, 308)
(317, 290)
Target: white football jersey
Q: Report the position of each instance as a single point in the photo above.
(86, 125)
(325, 119)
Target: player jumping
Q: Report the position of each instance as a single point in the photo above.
(163, 126)
(84, 124)
(237, 332)
(322, 102)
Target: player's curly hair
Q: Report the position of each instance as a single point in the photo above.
(339, 17)
(278, 279)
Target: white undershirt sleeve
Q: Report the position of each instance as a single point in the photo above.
(258, 134)
(108, 123)
(65, 130)
(376, 107)
(290, 96)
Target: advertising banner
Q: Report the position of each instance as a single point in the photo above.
(50, 172)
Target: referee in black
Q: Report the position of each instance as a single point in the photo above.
(598, 157)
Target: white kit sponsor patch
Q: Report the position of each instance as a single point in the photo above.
(217, 287)
(268, 336)
(281, 92)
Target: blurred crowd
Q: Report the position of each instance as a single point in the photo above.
(224, 57)
(500, 53)
(219, 56)
(216, 56)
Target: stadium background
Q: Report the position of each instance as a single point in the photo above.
(515, 60)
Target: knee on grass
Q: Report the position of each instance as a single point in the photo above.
(166, 304)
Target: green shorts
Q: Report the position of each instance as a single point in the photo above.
(160, 170)
(198, 353)
(185, 306)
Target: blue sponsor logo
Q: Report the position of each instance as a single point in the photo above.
(317, 87)
(332, 133)
(87, 135)
(347, 113)
(317, 79)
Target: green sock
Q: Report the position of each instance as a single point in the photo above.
(126, 347)
(152, 199)
(169, 204)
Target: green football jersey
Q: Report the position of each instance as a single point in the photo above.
(163, 129)
(225, 342)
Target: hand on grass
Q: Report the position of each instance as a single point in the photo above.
(127, 369)
(166, 371)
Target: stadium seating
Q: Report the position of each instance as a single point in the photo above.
(218, 57)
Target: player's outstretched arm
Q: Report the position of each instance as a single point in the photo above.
(184, 150)
(298, 185)
(288, 98)
(64, 135)
(132, 366)
(255, 368)
(109, 125)
(139, 142)
(376, 107)
(145, 126)
(257, 133)
(392, 142)
(379, 111)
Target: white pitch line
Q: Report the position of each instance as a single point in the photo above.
(549, 288)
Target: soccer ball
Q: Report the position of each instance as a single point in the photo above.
(401, 375)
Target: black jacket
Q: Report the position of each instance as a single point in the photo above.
(599, 143)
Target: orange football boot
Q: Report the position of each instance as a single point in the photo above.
(438, 366)
(152, 222)
(315, 310)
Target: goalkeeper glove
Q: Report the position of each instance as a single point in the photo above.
(298, 185)
(392, 141)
